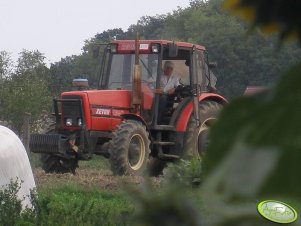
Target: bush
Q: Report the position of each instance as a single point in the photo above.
(11, 212)
(185, 172)
(77, 206)
(64, 206)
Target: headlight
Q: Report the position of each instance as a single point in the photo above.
(69, 122)
(79, 122)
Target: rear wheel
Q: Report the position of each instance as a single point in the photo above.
(196, 137)
(129, 149)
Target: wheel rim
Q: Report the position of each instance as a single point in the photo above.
(202, 141)
(136, 152)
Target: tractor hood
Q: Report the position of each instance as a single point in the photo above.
(104, 98)
(110, 98)
(102, 108)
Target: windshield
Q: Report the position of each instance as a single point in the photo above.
(121, 69)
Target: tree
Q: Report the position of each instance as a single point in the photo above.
(26, 90)
(111, 34)
(148, 27)
(83, 66)
(6, 64)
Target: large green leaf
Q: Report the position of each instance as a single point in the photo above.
(261, 137)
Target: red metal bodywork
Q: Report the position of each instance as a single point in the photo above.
(103, 108)
(128, 46)
(186, 113)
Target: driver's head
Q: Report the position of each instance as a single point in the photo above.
(168, 67)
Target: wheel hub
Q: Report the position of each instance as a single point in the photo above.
(136, 152)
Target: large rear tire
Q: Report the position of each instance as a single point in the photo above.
(129, 149)
(196, 137)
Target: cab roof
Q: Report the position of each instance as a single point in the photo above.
(162, 42)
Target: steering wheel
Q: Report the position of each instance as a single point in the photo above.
(182, 91)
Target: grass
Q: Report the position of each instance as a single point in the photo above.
(96, 163)
(77, 205)
(91, 197)
(65, 205)
(95, 197)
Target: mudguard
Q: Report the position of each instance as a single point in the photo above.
(185, 111)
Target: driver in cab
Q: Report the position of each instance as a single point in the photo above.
(168, 84)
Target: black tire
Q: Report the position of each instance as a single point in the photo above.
(56, 164)
(196, 138)
(129, 149)
(155, 166)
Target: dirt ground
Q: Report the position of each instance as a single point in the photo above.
(88, 178)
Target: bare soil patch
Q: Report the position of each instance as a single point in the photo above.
(88, 178)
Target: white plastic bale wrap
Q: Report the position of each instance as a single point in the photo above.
(14, 163)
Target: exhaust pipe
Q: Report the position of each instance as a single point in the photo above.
(137, 94)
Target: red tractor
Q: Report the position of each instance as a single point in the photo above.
(120, 119)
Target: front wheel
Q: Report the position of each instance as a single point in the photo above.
(55, 164)
(129, 149)
(196, 137)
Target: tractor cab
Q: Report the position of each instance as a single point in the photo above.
(191, 67)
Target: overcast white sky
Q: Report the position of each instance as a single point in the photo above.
(58, 28)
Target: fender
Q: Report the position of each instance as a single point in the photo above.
(139, 119)
(135, 117)
(182, 122)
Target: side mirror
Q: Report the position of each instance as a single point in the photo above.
(80, 83)
(172, 50)
(212, 65)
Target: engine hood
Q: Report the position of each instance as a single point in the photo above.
(110, 98)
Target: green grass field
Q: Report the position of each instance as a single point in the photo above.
(91, 197)
(94, 196)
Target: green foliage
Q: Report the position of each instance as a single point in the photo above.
(11, 212)
(66, 206)
(187, 173)
(266, 129)
(10, 204)
(26, 90)
(111, 34)
(77, 206)
(282, 16)
(256, 154)
(63, 72)
(168, 206)
(174, 201)
(5, 64)
(97, 163)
